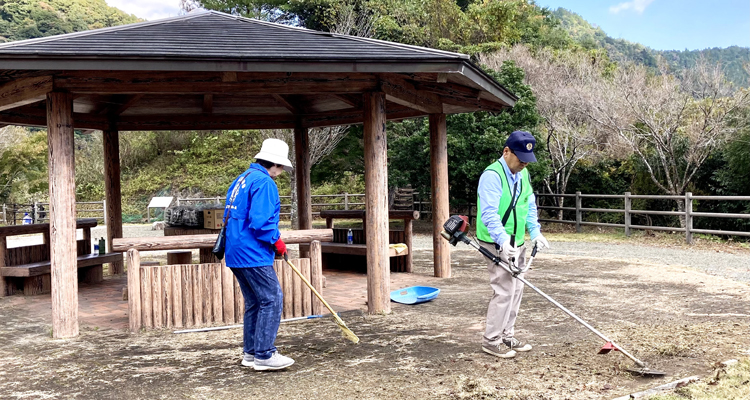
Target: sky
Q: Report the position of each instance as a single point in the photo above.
(659, 24)
(667, 24)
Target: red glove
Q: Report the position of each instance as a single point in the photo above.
(279, 247)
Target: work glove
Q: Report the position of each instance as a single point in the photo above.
(540, 242)
(507, 252)
(279, 247)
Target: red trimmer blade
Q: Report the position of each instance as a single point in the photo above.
(607, 348)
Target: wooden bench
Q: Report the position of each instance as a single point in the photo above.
(353, 256)
(29, 267)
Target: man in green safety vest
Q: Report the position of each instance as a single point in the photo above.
(507, 207)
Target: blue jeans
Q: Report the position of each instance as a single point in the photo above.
(263, 305)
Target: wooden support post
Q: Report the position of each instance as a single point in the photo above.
(440, 193)
(628, 206)
(166, 295)
(147, 307)
(227, 292)
(197, 295)
(216, 288)
(156, 296)
(113, 197)
(302, 171)
(187, 295)
(306, 292)
(3, 250)
(376, 204)
(579, 217)
(134, 290)
(408, 243)
(63, 258)
(689, 217)
(177, 295)
(316, 274)
(296, 290)
(288, 289)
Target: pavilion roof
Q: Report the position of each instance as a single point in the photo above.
(211, 70)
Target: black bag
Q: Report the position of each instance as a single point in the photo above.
(221, 242)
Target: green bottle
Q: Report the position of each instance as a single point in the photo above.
(102, 246)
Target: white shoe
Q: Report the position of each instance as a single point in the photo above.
(248, 360)
(276, 362)
(515, 344)
(500, 350)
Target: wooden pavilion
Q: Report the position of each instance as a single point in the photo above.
(210, 70)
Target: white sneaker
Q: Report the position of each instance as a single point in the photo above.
(248, 360)
(277, 361)
(500, 350)
(515, 344)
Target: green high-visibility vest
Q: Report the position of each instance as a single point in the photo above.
(515, 225)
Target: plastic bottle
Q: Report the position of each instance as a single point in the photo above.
(102, 246)
(96, 249)
(26, 219)
(349, 237)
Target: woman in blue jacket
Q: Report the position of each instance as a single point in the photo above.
(252, 215)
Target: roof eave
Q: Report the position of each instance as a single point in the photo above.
(32, 62)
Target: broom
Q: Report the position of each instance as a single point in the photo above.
(345, 332)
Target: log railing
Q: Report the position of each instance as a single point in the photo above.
(192, 295)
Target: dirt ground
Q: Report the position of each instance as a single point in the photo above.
(677, 320)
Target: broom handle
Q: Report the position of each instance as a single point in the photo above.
(325, 303)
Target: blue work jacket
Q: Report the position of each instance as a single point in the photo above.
(253, 207)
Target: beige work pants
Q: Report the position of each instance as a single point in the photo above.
(506, 298)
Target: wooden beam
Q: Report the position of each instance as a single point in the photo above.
(64, 281)
(111, 140)
(37, 117)
(440, 193)
(203, 122)
(125, 82)
(207, 241)
(402, 92)
(460, 95)
(208, 103)
(286, 103)
(24, 91)
(302, 171)
(376, 195)
(354, 101)
(119, 109)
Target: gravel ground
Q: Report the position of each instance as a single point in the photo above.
(713, 262)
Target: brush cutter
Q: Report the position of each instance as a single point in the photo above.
(345, 331)
(454, 230)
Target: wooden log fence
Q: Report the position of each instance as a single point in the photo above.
(688, 214)
(196, 295)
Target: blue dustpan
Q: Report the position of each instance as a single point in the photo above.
(414, 294)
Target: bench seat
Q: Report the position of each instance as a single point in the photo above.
(43, 267)
(36, 276)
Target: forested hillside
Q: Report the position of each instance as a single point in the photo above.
(570, 78)
(731, 58)
(28, 19)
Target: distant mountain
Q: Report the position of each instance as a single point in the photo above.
(589, 36)
(21, 19)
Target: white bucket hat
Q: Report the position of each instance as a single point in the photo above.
(275, 151)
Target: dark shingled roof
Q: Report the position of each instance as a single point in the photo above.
(211, 34)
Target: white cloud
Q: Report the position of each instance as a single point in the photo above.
(148, 9)
(637, 5)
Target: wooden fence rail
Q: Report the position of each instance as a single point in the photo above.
(628, 212)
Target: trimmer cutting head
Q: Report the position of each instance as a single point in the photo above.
(607, 348)
(645, 372)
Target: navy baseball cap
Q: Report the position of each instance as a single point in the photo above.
(522, 144)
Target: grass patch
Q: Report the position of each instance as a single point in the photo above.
(731, 382)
